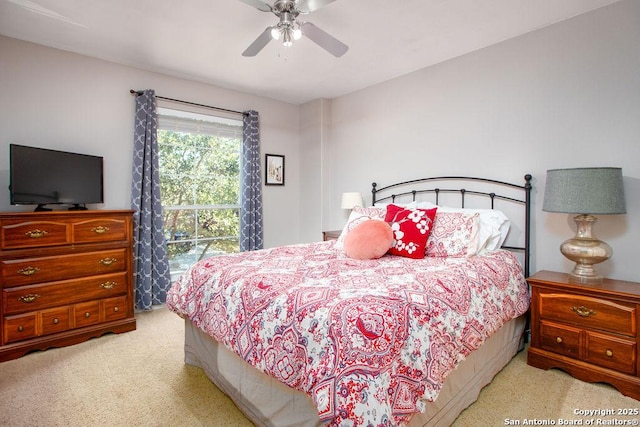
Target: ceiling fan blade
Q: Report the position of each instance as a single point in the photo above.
(258, 4)
(324, 39)
(258, 43)
(306, 6)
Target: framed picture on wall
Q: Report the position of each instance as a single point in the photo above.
(274, 169)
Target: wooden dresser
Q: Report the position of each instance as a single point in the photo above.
(65, 277)
(587, 330)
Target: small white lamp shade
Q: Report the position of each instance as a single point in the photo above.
(351, 200)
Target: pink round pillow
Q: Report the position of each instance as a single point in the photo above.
(368, 240)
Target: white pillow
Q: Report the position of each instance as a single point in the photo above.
(494, 225)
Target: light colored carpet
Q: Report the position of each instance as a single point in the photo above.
(139, 379)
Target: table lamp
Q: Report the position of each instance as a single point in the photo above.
(586, 192)
(351, 200)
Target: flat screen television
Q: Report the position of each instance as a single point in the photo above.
(40, 176)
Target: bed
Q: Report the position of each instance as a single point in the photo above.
(304, 335)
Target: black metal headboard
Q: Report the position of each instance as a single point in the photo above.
(510, 193)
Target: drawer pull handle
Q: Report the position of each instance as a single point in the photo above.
(559, 340)
(108, 285)
(28, 271)
(101, 229)
(28, 298)
(55, 321)
(35, 234)
(116, 309)
(87, 315)
(609, 353)
(20, 328)
(583, 311)
(107, 261)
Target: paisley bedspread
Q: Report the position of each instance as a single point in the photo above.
(368, 340)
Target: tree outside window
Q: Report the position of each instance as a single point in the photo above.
(200, 184)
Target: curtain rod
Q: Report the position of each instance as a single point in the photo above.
(139, 92)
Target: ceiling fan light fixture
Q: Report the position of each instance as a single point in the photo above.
(297, 32)
(289, 29)
(286, 37)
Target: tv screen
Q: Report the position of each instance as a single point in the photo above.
(40, 176)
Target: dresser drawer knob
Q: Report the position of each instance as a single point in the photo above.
(583, 311)
(559, 340)
(101, 229)
(609, 353)
(20, 328)
(55, 321)
(28, 271)
(28, 298)
(35, 234)
(107, 261)
(87, 315)
(108, 285)
(116, 309)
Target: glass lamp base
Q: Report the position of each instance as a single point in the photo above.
(585, 250)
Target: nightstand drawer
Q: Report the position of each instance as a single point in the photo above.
(611, 352)
(589, 312)
(560, 339)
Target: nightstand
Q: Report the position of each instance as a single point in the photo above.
(331, 235)
(588, 330)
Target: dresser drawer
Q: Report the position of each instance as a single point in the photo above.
(560, 339)
(611, 352)
(55, 320)
(60, 319)
(115, 308)
(46, 269)
(87, 313)
(37, 297)
(17, 328)
(27, 234)
(589, 312)
(99, 230)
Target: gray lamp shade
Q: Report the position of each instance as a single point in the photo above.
(596, 191)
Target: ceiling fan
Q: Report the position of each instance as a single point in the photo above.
(289, 29)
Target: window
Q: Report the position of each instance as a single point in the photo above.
(200, 182)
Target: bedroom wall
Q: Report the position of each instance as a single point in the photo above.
(314, 122)
(64, 101)
(564, 96)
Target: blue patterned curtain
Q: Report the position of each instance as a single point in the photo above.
(151, 264)
(251, 185)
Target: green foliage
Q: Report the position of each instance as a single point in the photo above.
(200, 184)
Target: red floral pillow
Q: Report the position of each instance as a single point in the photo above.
(411, 228)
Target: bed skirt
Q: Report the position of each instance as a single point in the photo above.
(267, 402)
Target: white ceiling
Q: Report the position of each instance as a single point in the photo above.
(203, 40)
